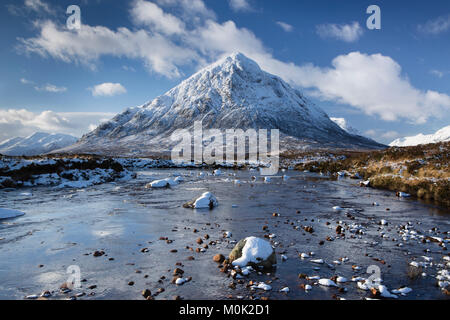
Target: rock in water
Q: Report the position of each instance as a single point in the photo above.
(205, 201)
(219, 258)
(164, 183)
(254, 252)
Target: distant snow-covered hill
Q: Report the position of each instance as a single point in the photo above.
(442, 135)
(341, 122)
(36, 144)
(233, 93)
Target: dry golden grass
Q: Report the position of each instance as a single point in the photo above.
(422, 171)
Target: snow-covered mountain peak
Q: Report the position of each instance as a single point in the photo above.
(36, 144)
(441, 135)
(342, 122)
(232, 93)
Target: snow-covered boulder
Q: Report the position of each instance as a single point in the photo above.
(205, 201)
(254, 252)
(327, 283)
(164, 183)
(9, 213)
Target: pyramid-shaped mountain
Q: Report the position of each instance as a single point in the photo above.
(229, 94)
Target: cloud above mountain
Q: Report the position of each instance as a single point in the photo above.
(108, 89)
(167, 42)
(345, 32)
(436, 26)
(240, 5)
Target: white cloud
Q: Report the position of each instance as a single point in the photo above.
(20, 123)
(240, 5)
(371, 133)
(382, 135)
(436, 26)
(50, 88)
(438, 73)
(373, 84)
(148, 13)
(190, 10)
(26, 81)
(389, 135)
(88, 44)
(108, 89)
(215, 39)
(345, 32)
(285, 26)
(129, 68)
(38, 6)
(47, 88)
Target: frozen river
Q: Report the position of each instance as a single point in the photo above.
(64, 228)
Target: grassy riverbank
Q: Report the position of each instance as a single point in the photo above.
(421, 171)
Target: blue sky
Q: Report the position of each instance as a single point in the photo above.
(386, 83)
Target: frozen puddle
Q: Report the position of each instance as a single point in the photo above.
(9, 213)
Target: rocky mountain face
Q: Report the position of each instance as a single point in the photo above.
(229, 94)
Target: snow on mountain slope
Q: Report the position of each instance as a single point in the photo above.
(442, 135)
(229, 94)
(341, 122)
(36, 144)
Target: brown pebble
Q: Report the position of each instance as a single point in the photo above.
(219, 258)
(98, 253)
(146, 293)
(308, 229)
(177, 272)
